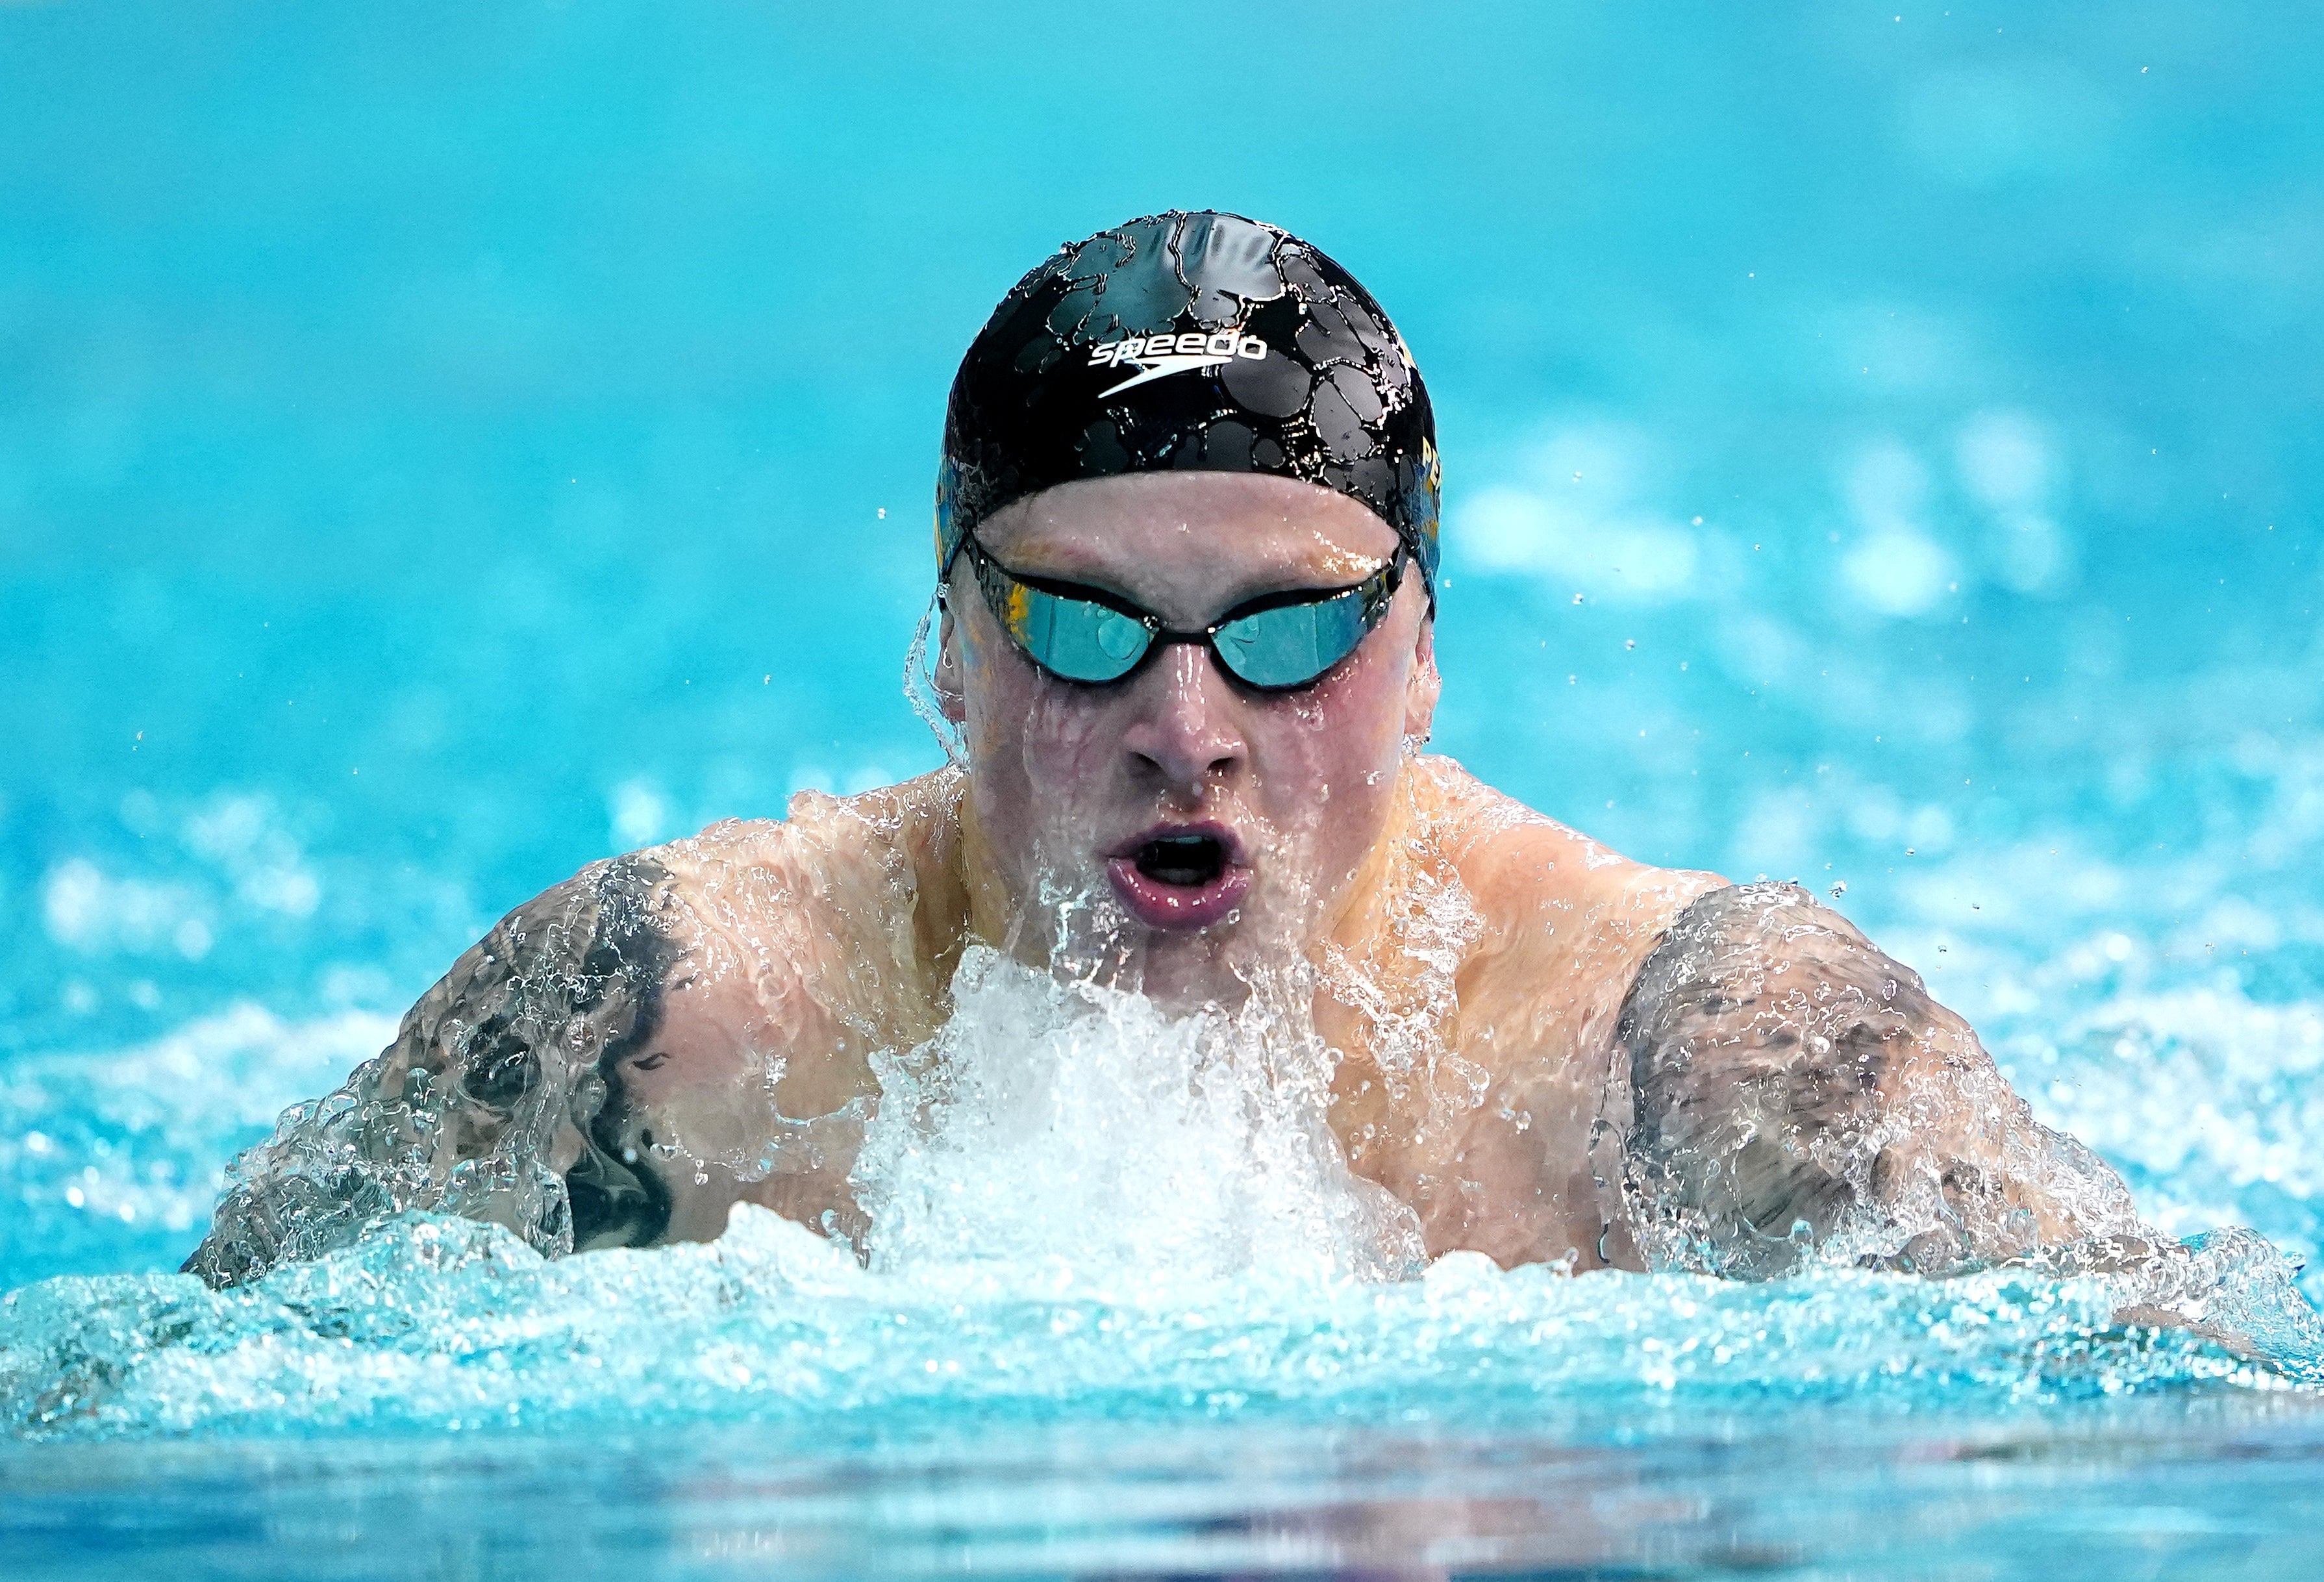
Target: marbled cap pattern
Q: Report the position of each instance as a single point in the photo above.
(1297, 372)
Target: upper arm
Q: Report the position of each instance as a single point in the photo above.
(1553, 927)
(501, 1098)
(1790, 1084)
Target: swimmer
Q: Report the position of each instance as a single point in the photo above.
(1186, 563)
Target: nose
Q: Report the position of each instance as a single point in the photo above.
(1183, 732)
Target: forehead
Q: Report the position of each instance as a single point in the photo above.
(1190, 528)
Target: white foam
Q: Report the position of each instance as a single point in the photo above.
(1059, 1136)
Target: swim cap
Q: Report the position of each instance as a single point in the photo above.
(1202, 342)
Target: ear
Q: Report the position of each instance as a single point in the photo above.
(951, 697)
(1423, 686)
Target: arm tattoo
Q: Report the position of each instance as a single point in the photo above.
(1791, 1085)
(508, 1066)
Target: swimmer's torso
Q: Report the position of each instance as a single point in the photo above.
(1547, 1052)
(1470, 992)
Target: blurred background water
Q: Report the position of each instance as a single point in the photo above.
(441, 446)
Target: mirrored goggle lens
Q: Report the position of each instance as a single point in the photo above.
(1075, 639)
(1292, 644)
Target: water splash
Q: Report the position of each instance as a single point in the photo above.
(1060, 1133)
(2208, 1102)
(920, 685)
(1083, 1208)
(499, 1098)
(1078, 1204)
(450, 1324)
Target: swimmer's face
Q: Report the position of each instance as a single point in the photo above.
(1181, 823)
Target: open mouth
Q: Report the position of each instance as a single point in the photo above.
(1181, 859)
(1181, 876)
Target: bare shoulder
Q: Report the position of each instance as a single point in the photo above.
(1791, 1084)
(1544, 929)
(541, 1084)
(495, 1100)
(825, 845)
(1548, 896)
(876, 872)
(814, 938)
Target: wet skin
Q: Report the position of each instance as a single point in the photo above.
(1549, 1052)
(1469, 956)
(1342, 833)
(1300, 785)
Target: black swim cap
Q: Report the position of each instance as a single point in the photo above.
(1201, 342)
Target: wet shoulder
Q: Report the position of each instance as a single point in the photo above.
(1549, 897)
(869, 877)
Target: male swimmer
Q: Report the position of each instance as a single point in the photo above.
(1186, 540)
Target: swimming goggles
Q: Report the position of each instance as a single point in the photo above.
(1276, 642)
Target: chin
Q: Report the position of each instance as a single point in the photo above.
(1183, 975)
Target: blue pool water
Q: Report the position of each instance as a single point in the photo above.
(439, 450)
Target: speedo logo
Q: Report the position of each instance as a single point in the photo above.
(1158, 357)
